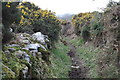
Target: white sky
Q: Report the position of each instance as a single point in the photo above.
(71, 6)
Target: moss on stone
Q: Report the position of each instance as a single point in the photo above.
(37, 68)
(13, 63)
(40, 69)
(45, 55)
(7, 72)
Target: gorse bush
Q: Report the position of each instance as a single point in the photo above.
(41, 20)
(88, 24)
(81, 20)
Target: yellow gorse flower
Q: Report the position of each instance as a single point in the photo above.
(8, 6)
(20, 6)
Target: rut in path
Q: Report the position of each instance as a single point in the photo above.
(78, 70)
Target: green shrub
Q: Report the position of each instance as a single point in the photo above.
(96, 28)
(10, 14)
(86, 33)
(22, 29)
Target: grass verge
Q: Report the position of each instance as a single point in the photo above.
(61, 63)
(89, 56)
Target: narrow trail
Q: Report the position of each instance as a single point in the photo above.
(78, 70)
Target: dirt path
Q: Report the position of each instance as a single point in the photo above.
(78, 70)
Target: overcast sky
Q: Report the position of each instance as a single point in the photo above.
(71, 6)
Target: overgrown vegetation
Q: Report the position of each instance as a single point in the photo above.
(103, 29)
(60, 61)
(30, 18)
(88, 25)
(37, 20)
(88, 54)
(97, 42)
(10, 14)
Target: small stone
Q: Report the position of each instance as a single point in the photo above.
(27, 58)
(25, 49)
(75, 67)
(19, 54)
(23, 55)
(39, 54)
(25, 42)
(14, 45)
(7, 52)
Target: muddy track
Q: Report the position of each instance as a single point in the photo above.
(78, 70)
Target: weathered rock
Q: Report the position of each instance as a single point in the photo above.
(32, 65)
(25, 41)
(23, 38)
(33, 46)
(42, 47)
(23, 55)
(26, 35)
(39, 37)
(7, 52)
(25, 49)
(26, 57)
(14, 45)
(39, 54)
(19, 54)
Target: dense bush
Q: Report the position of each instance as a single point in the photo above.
(10, 14)
(96, 24)
(85, 33)
(80, 21)
(88, 25)
(41, 20)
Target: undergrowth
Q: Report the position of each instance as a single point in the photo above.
(60, 61)
(88, 53)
